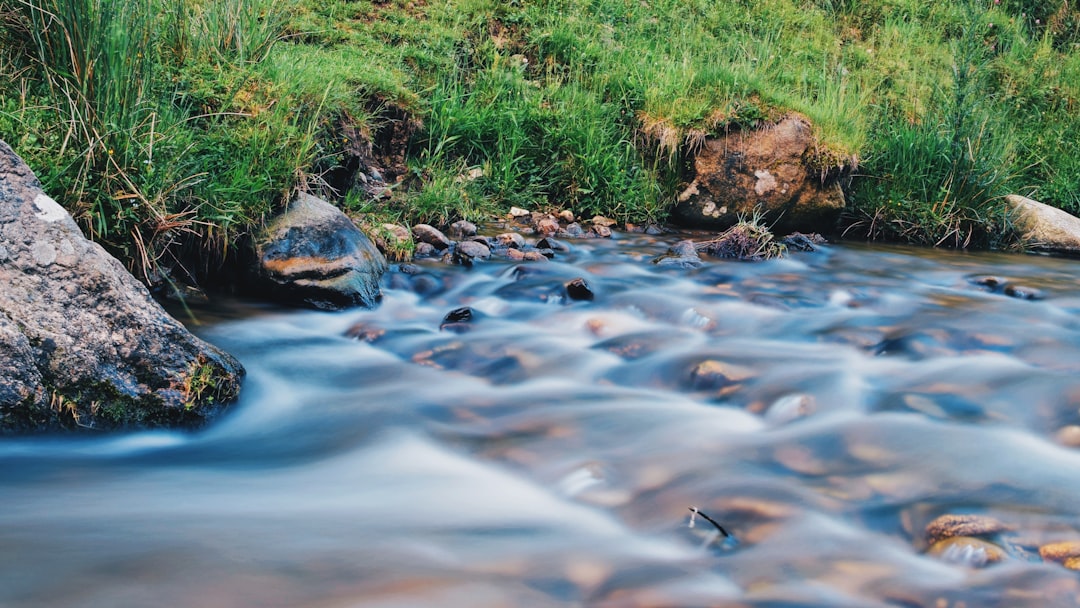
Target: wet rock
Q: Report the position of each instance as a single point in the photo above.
(601, 231)
(967, 551)
(466, 252)
(409, 269)
(763, 171)
(951, 525)
(680, 255)
(553, 244)
(516, 255)
(1001, 285)
(1042, 227)
(547, 226)
(365, 332)
(462, 230)
(432, 236)
(1065, 553)
(1023, 293)
(573, 231)
(797, 241)
(599, 220)
(534, 256)
(510, 240)
(425, 250)
(578, 289)
(566, 215)
(82, 343)
(313, 254)
(790, 408)
(519, 213)
(458, 320)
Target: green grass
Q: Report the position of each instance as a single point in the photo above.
(198, 118)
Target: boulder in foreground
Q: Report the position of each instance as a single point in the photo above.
(83, 343)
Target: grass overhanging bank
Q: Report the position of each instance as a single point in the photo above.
(172, 130)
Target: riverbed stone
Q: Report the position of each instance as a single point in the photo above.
(466, 252)
(967, 551)
(769, 172)
(83, 343)
(950, 525)
(462, 229)
(1042, 227)
(312, 254)
(431, 235)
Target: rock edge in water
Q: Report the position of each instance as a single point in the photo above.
(84, 344)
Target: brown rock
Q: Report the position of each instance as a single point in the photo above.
(769, 170)
(432, 236)
(1061, 552)
(948, 526)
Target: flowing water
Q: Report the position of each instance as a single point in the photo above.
(823, 409)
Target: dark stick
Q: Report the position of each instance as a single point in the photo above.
(712, 521)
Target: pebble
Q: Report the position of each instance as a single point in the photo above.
(467, 251)
(566, 215)
(511, 240)
(950, 525)
(1066, 553)
(578, 289)
(424, 250)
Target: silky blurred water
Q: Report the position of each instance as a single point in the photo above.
(823, 408)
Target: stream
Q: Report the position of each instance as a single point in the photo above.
(823, 409)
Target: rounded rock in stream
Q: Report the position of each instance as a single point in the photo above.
(578, 289)
(951, 525)
(466, 252)
(432, 236)
(967, 551)
(462, 229)
(458, 320)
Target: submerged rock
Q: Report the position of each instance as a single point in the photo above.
(314, 255)
(83, 343)
(769, 171)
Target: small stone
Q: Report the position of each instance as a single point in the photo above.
(365, 332)
(574, 231)
(462, 229)
(566, 215)
(987, 281)
(951, 525)
(518, 212)
(458, 320)
(578, 289)
(468, 251)
(602, 231)
(967, 551)
(547, 253)
(599, 220)
(432, 236)
(424, 250)
(653, 230)
(1069, 436)
(534, 256)
(553, 244)
(515, 254)
(1023, 293)
(547, 226)
(510, 240)
(1061, 552)
(409, 269)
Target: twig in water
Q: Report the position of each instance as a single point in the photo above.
(695, 512)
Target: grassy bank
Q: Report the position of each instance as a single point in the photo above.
(174, 128)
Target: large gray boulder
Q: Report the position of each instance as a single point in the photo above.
(314, 255)
(82, 342)
(768, 172)
(1042, 227)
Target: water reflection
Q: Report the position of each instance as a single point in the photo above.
(825, 409)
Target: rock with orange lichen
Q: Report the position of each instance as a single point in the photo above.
(314, 255)
(948, 526)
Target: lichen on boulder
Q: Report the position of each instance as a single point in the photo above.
(773, 172)
(84, 344)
